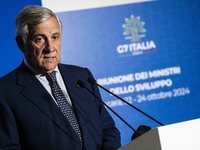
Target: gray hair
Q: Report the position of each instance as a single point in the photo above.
(32, 15)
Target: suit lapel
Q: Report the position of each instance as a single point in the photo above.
(40, 98)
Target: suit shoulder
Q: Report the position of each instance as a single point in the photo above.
(73, 68)
(8, 76)
(75, 71)
(12, 74)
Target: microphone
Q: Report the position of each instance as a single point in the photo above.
(93, 82)
(81, 84)
(141, 130)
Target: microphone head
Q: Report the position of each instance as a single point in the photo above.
(80, 83)
(140, 130)
(91, 81)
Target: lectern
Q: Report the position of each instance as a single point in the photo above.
(178, 136)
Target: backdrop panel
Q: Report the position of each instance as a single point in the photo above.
(146, 53)
(11, 56)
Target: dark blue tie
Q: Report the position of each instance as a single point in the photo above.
(63, 103)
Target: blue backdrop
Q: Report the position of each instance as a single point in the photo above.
(147, 53)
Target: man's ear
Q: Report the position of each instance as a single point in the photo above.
(20, 43)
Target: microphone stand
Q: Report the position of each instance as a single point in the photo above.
(93, 82)
(82, 85)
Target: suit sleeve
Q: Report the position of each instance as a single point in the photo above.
(8, 130)
(111, 135)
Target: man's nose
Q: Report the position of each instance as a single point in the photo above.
(49, 46)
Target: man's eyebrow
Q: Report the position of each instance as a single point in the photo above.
(35, 35)
(43, 35)
(56, 33)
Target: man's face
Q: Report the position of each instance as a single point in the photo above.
(43, 46)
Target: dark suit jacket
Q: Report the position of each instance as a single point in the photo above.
(30, 119)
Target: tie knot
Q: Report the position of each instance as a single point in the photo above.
(51, 77)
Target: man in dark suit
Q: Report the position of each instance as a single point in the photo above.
(31, 117)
